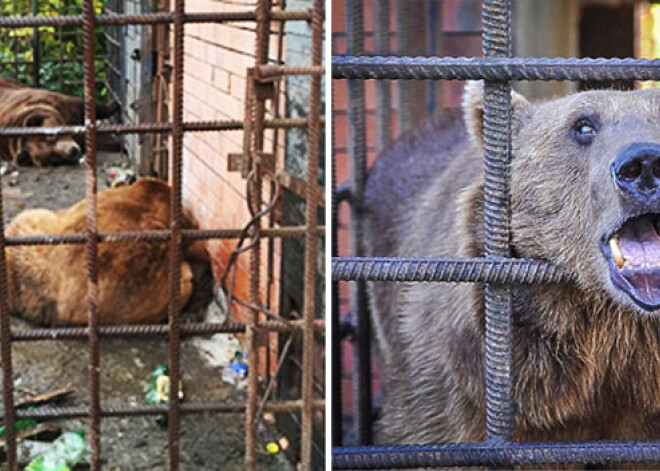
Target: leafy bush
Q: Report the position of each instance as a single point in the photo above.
(60, 48)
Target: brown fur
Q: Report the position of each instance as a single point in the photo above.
(48, 284)
(24, 106)
(586, 360)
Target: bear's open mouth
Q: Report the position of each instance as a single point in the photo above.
(633, 252)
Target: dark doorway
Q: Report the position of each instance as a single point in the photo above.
(607, 32)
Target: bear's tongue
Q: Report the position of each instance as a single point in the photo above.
(639, 245)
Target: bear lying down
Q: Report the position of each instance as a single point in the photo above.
(48, 284)
(585, 193)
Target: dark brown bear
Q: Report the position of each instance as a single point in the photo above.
(22, 106)
(585, 194)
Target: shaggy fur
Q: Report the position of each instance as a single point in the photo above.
(48, 284)
(22, 106)
(586, 360)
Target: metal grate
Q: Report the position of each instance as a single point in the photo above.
(497, 270)
(254, 126)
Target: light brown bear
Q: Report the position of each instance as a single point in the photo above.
(48, 284)
(585, 190)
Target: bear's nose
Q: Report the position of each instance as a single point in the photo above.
(73, 152)
(636, 171)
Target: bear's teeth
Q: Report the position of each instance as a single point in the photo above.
(616, 252)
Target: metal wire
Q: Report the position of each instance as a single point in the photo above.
(493, 68)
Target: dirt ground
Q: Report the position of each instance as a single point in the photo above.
(208, 441)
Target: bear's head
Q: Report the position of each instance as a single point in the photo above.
(27, 107)
(585, 187)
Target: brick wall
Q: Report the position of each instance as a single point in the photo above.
(217, 57)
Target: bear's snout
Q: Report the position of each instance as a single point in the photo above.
(636, 171)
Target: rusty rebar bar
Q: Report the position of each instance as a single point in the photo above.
(6, 352)
(273, 70)
(154, 236)
(122, 410)
(92, 238)
(149, 128)
(176, 246)
(255, 139)
(149, 18)
(311, 220)
(148, 332)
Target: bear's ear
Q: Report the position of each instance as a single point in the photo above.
(473, 109)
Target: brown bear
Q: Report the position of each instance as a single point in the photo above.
(22, 106)
(585, 194)
(48, 284)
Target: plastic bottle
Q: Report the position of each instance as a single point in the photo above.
(67, 451)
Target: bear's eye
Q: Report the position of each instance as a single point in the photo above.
(584, 131)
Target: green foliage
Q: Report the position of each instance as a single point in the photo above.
(60, 48)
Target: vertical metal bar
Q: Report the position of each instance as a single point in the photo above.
(383, 87)
(311, 216)
(36, 48)
(92, 232)
(358, 159)
(403, 88)
(175, 255)
(5, 351)
(256, 143)
(433, 48)
(497, 144)
(337, 370)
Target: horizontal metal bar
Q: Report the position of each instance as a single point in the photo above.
(505, 455)
(485, 270)
(493, 68)
(150, 19)
(270, 71)
(158, 330)
(156, 236)
(124, 410)
(144, 128)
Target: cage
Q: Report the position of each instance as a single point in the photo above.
(206, 104)
(374, 44)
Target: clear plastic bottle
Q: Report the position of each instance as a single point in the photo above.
(67, 451)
